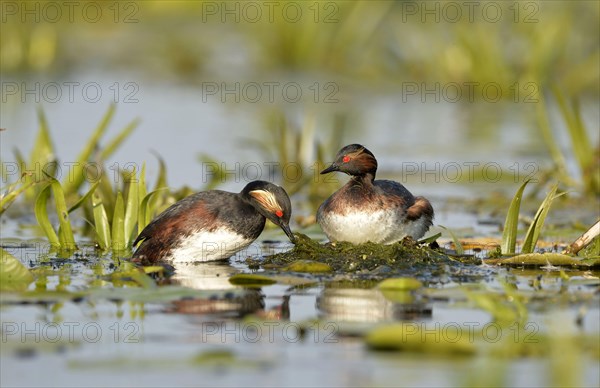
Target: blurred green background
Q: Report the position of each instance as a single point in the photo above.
(508, 83)
(379, 43)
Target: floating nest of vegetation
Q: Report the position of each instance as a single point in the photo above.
(406, 257)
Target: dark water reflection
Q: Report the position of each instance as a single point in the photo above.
(370, 305)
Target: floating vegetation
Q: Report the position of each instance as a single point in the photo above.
(403, 284)
(411, 337)
(587, 157)
(370, 260)
(309, 266)
(13, 275)
(509, 236)
(544, 259)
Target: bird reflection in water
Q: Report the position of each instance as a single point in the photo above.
(370, 305)
(234, 304)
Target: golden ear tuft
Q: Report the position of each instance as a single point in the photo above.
(266, 200)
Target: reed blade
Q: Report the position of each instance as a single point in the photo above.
(511, 224)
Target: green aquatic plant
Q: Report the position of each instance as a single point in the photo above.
(115, 214)
(582, 150)
(511, 224)
(43, 161)
(402, 284)
(130, 213)
(64, 240)
(9, 194)
(546, 260)
(457, 244)
(345, 257)
(74, 181)
(535, 228)
(414, 338)
(509, 235)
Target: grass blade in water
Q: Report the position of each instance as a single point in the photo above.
(12, 194)
(84, 198)
(142, 190)
(533, 233)
(41, 214)
(582, 145)
(551, 140)
(457, 245)
(161, 182)
(65, 232)
(78, 175)
(115, 143)
(41, 155)
(131, 208)
(101, 224)
(145, 215)
(118, 225)
(509, 235)
(107, 194)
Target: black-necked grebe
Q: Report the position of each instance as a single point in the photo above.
(366, 209)
(213, 225)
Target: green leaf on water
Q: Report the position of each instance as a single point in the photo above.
(533, 233)
(309, 266)
(407, 337)
(400, 284)
(509, 235)
(251, 280)
(215, 357)
(13, 275)
(541, 259)
(118, 225)
(503, 311)
(101, 224)
(137, 275)
(41, 214)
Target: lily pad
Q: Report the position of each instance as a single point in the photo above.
(405, 284)
(251, 280)
(309, 266)
(414, 337)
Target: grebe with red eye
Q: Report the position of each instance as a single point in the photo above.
(213, 225)
(365, 209)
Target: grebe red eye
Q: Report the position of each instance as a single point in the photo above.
(346, 159)
(279, 213)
